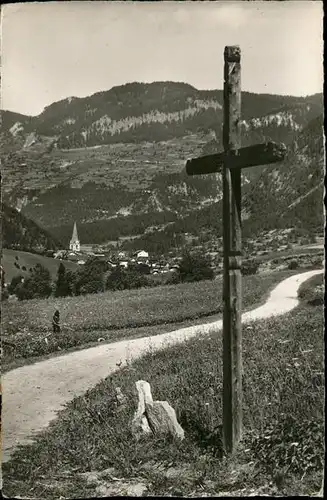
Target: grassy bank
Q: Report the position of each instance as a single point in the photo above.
(26, 260)
(116, 315)
(282, 448)
(312, 291)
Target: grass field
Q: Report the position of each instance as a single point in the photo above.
(117, 315)
(28, 260)
(283, 443)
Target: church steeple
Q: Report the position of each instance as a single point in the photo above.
(75, 235)
(74, 244)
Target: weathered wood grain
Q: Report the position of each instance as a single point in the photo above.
(232, 241)
(251, 156)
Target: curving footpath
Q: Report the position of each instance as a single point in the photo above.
(33, 394)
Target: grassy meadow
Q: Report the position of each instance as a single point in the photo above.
(26, 260)
(116, 315)
(282, 450)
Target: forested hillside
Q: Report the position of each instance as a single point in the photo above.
(20, 233)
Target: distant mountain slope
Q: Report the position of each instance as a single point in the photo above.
(292, 193)
(20, 233)
(289, 194)
(115, 161)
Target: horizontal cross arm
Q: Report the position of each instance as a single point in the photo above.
(251, 156)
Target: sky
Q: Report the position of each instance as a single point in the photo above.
(55, 50)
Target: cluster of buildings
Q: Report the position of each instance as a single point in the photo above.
(80, 253)
(142, 258)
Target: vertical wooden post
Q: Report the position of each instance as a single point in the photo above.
(232, 326)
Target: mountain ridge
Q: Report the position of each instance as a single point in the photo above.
(123, 113)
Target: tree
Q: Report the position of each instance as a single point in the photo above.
(90, 278)
(116, 279)
(249, 266)
(195, 267)
(16, 280)
(63, 283)
(36, 285)
(125, 279)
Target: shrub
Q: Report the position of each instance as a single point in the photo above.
(122, 279)
(194, 267)
(37, 285)
(293, 264)
(249, 267)
(140, 268)
(16, 280)
(93, 286)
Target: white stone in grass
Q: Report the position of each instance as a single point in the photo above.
(140, 423)
(156, 417)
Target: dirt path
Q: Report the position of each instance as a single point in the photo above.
(33, 394)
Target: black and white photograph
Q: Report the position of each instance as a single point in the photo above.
(162, 255)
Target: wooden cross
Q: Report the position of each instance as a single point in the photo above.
(230, 163)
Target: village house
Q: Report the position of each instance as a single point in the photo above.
(142, 256)
(87, 249)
